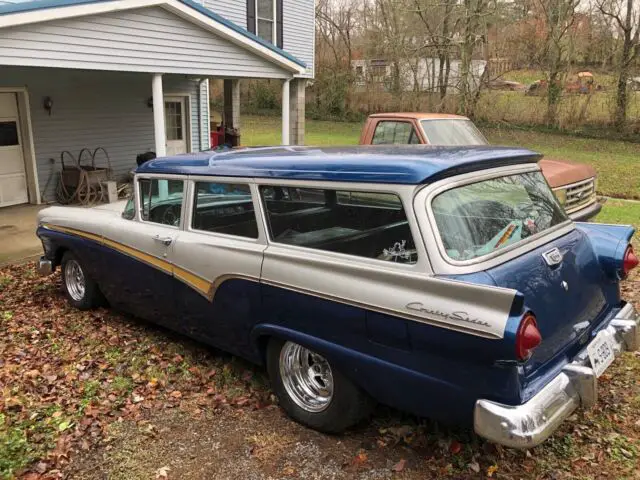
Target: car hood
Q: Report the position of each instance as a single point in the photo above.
(561, 172)
(112, 207)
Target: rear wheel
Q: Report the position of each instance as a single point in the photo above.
(81, 291)
(311, 391)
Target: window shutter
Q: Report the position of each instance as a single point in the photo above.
(279, 35)
(251, 16)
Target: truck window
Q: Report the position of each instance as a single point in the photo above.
(390, 132)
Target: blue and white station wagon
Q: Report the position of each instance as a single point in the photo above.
(447, 282)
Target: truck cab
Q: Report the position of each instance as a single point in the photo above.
(574, 184)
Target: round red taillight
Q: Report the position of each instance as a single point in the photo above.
(630, 261)
(528, 337)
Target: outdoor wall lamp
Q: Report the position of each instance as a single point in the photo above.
(48, 104)
(150, 102)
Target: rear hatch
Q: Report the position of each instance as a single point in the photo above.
(569, 298)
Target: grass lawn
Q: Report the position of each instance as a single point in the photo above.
(622, 211)
(617, 162)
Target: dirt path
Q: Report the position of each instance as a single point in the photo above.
(238, 444)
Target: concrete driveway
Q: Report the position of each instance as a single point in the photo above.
(18, 239)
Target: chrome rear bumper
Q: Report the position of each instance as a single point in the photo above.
(45, 266)
(529, 424)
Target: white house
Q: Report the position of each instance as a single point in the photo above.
(419, 74)
(132, 76)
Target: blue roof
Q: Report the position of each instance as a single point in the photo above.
(413, 164)
(28, 6)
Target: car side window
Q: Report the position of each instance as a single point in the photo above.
(224, 208)
(161, 200)
(364, 224)
(393, 132)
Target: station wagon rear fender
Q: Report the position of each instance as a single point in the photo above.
(609, 243)
(467, 317)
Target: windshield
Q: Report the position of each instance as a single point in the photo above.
(452, 132)
(476, 219)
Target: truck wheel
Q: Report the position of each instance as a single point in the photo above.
(81, 291)
(311, 391)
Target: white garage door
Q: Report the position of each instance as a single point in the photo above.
(13, 180)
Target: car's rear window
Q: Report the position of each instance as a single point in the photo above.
(452, 132)
(479, 218)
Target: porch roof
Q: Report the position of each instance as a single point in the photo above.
(38, 11)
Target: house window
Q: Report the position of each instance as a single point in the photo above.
(173, 119)
(362, 224)
(264, 18)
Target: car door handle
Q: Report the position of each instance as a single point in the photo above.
(164, 240)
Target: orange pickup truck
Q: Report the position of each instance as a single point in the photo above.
(574, 184)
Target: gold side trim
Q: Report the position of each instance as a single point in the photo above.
(201, 285)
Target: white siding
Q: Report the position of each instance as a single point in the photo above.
(299, 31)
(298, 25)
(234, 10)
(142, 40)
(93, 109)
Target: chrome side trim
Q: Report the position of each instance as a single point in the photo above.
(481, 310)
(529, 424)
(387, 311)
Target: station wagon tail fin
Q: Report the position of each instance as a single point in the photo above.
(571, 286)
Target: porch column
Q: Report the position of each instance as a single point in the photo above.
(158, 115)
(285, 112)
(296, 111)
(232, 103)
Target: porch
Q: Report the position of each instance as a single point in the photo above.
(120, 87)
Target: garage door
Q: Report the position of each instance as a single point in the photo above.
(13, 180)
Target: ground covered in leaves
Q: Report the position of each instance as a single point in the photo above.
(101, 395)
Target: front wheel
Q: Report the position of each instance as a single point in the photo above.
(81, 291)
(311, 391)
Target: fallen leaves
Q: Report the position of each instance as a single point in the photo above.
(455, 447)
(69, 374)
(162, 473)
(398, 467)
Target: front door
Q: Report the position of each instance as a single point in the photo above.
(137, 270)
(175, 113)
(13, 179)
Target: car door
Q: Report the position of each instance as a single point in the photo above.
(138, 267)
(217, 263)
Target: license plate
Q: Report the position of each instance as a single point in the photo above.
(601, 353)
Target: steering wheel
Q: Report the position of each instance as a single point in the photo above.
(171, 215)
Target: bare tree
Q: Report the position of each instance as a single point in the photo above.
(437, 18)
(558, 17)
(626, 17)
(472, 33)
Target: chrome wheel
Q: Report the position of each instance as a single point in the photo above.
(306, 377)
(74, 280)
